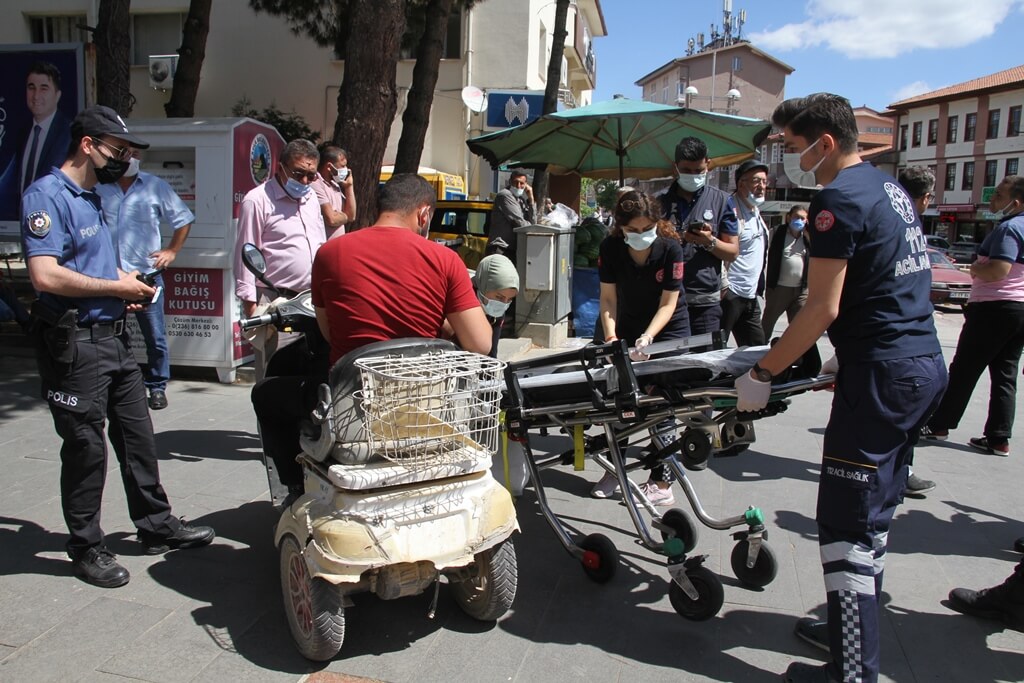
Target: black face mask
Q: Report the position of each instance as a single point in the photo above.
(112, 172)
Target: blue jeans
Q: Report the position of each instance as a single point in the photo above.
(158, 358)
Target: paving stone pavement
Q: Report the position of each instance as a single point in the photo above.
(215, 613)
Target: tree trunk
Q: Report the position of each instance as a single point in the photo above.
(113, 56)
(421, 94)
(190, 60)
(540, 178)
(367, 100)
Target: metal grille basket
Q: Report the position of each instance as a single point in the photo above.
(433, 408)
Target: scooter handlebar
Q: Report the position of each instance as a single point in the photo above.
(256, 321)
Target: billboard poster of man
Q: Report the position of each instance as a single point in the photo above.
(41, 91)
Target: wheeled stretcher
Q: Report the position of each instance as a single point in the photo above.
(689, 381)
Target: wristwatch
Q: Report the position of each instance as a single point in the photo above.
(761, 374)
(710, 246)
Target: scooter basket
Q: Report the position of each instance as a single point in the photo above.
(432, 408)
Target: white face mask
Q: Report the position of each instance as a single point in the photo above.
(518, 191)
(639, 241)
(493, 307)
(133, 167)
(796, 175)
(1003, 212)
(340, 174)
(755, 201)
(691, 182)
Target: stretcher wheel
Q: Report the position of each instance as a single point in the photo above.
(710, 600)
(316, 615)
(695, 449)
(490, 594)
(600, 558)
(764, 569)
(682, 527)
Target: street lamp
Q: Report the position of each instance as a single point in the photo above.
(731, 98)
(690, 91)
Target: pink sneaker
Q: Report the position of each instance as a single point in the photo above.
(607, 487)
(657, 495)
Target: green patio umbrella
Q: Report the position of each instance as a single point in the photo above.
(620, 137)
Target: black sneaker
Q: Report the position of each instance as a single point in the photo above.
(157, 399)
(1004, 602)
(185, 537)
(917, 487)
(813, 631)
(930, 434)
(799, 672)
(984, 445)
(99, 566)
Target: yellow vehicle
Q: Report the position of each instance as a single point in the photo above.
(448, 186)
(462, 225)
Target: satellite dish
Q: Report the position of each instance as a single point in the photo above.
(474, 98)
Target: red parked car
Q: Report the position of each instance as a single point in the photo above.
(950, 285)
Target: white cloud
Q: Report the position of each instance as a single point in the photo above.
(913, 89)
(883, 28)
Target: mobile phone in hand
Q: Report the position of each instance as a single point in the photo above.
(695, 227)
(150, 278)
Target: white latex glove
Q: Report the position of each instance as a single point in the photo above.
(831, 366)
(751, 393)
(637, 352)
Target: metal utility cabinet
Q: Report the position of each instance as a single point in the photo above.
(545, 295)
(211, 164)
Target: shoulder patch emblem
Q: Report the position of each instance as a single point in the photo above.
(824, 221)
(39, 223)
(709, 215)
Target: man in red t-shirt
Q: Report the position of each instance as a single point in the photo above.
(388, 282)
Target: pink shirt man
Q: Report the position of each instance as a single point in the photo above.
(288, 231)
(328, 192)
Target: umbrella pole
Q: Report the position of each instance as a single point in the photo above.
(621, 153)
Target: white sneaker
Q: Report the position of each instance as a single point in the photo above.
(657, 495)
(607, 487)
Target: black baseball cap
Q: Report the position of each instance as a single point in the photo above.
(748, 166)
(99, 120)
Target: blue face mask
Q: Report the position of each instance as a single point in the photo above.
(295, 189)
(798, 224)
(493, 307)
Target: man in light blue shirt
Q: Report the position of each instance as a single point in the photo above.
(134, 208)
(741, 309)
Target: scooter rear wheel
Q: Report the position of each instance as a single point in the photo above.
(314, 607)
(490, 593)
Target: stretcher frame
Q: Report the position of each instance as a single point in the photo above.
(624, 410)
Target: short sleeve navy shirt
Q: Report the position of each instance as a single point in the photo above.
(865, 218)
(61, 219)
(638, 287)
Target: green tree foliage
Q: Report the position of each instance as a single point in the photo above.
(290, 125)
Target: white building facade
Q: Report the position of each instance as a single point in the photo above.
(498, 45)
(969, 134)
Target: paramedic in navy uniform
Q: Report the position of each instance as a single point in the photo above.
(868, 285)
(86, 367)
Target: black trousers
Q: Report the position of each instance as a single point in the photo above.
(102, 383)
(282, 402)
(704, 319)
(742, 319)
(992, 337)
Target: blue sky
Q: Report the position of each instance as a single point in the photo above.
(874, 52)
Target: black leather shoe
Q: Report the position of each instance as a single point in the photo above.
(99, 566)
(157, 399)
(185, 537)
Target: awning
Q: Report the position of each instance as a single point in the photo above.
(955, 208)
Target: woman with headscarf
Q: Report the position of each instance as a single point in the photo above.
(496, 281)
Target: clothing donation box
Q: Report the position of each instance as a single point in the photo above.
(211, 164)
(543, 306)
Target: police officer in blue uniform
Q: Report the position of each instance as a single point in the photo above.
(868, 284)
(86, 366)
